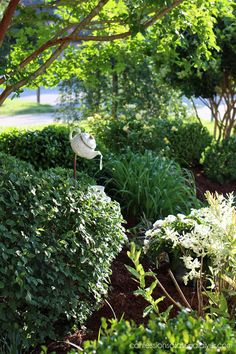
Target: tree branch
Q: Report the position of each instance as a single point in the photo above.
(196, 112)
(55, 54)
(7, 17)
(64, 42)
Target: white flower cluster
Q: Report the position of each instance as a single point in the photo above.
(207, 232)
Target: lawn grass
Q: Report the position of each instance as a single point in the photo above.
(27, 127)
(209, 125)
(16, 107)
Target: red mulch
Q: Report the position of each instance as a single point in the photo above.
(204, 184)
(124, 302)
(121, 297)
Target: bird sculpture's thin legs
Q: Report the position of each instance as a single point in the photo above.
(75, 166)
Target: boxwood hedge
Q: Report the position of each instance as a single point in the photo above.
(179, 140)
(57, 243)
(219, 161)
(184, 334)
(45, 148)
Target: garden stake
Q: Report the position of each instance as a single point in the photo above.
(164, 263)
(75, 167)
(177, 304)
(199, 291)
(179, 289)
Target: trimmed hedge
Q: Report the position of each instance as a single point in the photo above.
(219, 161)
(57, 245)
(182, 141)
(184, 334)
(50, 147)
(45, 148)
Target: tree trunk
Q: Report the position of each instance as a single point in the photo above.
(225, 123)
(115, 88)
(38, 95)
(115, 95)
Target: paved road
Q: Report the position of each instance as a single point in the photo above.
(26, 119)
(47, 118)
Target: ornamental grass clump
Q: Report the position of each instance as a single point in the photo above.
(150, 185)
(206, 241)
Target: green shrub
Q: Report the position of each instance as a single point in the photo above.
(219, 161)
(150, 185)
(45, 148)
(42, 148)
(134, 133)
(57, 245)
(184, 334)
(205, 241)
(184, 142)
(187, 143)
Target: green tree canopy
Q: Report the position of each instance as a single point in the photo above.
(39, 32)
(35, 35)
(211, 77)
(115, 78)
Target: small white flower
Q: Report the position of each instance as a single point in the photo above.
(172, 235)
(171, 218)
(158, 224)
(181, 217)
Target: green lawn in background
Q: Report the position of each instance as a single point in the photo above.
(209, 125)
(26, 127)
(16, 106)
(206, 122)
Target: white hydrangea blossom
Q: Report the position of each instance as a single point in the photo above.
(194, 266)
(209, 231)
(158, 224)
(172, 235)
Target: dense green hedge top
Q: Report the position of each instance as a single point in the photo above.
(57, 243)
(50, 147)
(45, 148)
(183, 141)
(183, 334)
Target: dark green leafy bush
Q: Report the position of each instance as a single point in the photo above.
(187, 143)
(150, 185)
(57, 244)
(42, 148)
(45, 148)
(219, 161)
(184, 334)
(182, 141)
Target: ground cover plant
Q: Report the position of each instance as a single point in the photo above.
(58, 241)
(149, 185)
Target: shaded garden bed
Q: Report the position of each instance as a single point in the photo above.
(121, 299)
(124, 303)
(205, 184)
